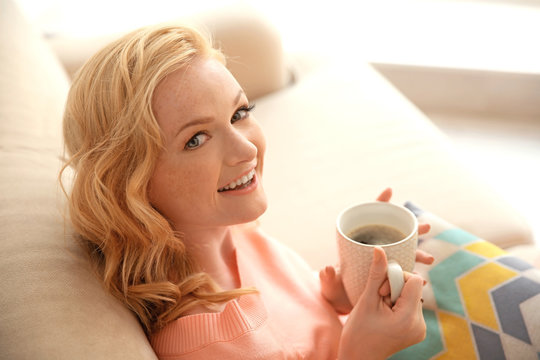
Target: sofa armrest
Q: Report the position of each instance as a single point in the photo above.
(53, 307)
(251, 43)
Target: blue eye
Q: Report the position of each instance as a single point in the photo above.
(196, 141)
(242, 113)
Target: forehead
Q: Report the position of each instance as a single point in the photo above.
(204, 81)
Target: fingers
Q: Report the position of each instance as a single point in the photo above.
(424, 257)
(333, 290)
(329, 272)
(412, 293)
(407, 275)
(329, 287)
(409, 306)
(384, 290)
(423, 229)
(386, 195)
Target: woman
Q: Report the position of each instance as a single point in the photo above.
(168, 163)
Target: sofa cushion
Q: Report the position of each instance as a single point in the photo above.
(53, 306)
(480, 301)
(341, 135)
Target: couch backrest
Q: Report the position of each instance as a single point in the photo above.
(52, 305)
(251, 42)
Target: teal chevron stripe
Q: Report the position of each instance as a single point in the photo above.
(488, 343)
(507, 299)
(427, 349)
(456, 236)
(443, 278)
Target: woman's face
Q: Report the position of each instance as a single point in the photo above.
(209, 172)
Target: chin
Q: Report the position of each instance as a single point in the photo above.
(254, 212)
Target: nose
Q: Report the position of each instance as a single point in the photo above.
(240, 147)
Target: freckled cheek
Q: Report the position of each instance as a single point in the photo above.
(165, 183)
(174, 192)
(159, 189)
(197, 181)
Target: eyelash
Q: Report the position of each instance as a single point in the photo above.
(187, 146)
(245, 109)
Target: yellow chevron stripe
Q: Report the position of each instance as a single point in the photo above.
(457, 338)
(475, 289)
(485, 249)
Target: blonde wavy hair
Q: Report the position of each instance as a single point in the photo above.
(112, 141)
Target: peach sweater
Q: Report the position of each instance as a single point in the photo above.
(287, 319)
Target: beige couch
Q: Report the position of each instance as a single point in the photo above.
(339, 134)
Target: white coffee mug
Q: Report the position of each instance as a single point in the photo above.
(355, 257)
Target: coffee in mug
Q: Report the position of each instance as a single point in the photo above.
(376, 234)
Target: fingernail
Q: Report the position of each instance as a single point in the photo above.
(377, 255)
(330, 271)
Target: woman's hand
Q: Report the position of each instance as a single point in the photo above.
(374, 328)
(331, 284)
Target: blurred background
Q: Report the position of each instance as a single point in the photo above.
(473, 67)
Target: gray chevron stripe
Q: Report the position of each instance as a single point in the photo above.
(488, 344)
(507, 299)
(515, 263)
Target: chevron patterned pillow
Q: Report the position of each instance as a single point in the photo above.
(480, 302)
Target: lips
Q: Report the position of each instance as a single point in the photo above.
(240, 183)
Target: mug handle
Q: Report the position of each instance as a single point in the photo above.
(395, 277)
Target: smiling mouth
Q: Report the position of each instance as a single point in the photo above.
(241, 183)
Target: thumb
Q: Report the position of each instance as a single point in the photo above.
(377, 274)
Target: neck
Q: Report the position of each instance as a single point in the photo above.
(214, 252)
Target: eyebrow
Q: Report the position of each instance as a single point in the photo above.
(200, 121)
(205, 120)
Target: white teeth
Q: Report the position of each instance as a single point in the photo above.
(242, 181)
